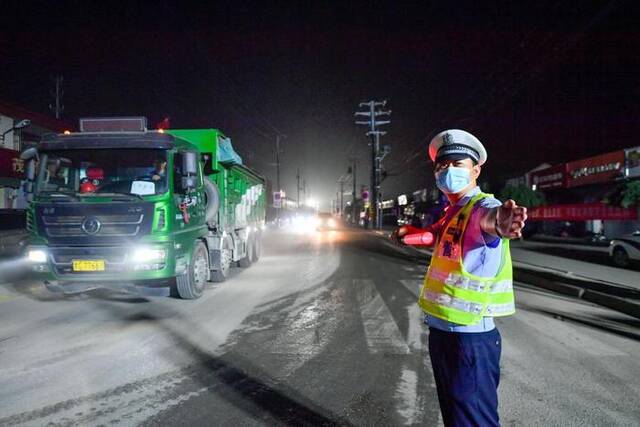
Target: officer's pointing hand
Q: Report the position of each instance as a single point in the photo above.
(510, 219)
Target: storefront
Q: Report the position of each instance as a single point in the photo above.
(583, 196)
(15, 138)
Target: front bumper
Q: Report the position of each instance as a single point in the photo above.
(146, 289)
(120, 269)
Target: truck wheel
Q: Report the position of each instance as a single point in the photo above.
(246, 261)
(257, 248)
(222, 272)
(191, 284)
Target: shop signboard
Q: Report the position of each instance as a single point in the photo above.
(550, 178)
(420, 195)
(388, 204)
(632, 162)
(598, 169)
(11, 165)
(581, 212)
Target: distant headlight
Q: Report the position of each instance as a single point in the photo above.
(37, 255)
(141, 255)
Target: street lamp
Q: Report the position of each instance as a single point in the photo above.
(21, 124)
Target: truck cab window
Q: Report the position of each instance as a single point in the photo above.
(101, 171)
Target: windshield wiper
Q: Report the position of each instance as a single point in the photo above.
(54, 194)
(129, 196)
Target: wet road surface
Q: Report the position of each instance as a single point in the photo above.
(324, 330)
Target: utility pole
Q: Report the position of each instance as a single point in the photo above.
(304, 190)
(354, 178)
(279, 189)
(341, 181)
(341, 196)
(278, 162)
(298, 187)
(376, 158)
(57, 93)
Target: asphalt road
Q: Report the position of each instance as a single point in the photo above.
(324, 330)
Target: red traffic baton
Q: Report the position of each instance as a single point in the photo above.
(421, 239)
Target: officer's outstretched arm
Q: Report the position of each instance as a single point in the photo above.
(506, 221)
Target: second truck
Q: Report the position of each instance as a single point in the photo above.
(147, 212)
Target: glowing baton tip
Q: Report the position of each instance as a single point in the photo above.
(421, 239)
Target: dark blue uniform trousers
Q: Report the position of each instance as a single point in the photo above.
(466, 367)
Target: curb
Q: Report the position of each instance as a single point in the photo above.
(615, 303)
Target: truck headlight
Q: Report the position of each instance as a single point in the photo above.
(142, 255)
(37, 255)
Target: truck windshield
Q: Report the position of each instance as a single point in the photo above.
(86, 172)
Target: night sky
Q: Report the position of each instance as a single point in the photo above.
(552, 82)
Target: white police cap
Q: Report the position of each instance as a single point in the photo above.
(454, 142)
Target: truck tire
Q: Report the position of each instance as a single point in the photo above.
(191, 284)
(212, 200)
(246, 261)
(224, 263)
(257, 248)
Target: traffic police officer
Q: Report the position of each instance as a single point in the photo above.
(469, 281)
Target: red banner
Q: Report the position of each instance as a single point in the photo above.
(581, 212)
(11, 165)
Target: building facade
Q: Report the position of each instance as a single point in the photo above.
(13, 141)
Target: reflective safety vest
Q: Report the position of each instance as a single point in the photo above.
(450, 292)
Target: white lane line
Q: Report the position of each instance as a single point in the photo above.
(381, 330)
(407, 397)
(416, 327)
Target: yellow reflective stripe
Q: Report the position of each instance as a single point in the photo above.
(452, 302)
(462, 282)
(493, 309)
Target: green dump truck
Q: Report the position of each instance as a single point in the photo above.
(154, 213)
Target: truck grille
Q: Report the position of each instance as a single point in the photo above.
(94, 223)
(110, 225)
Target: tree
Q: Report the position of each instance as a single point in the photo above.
(631, 194)
(523, 195)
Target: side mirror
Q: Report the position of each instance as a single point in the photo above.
(189, 163)
(29, 154)
(189, 170)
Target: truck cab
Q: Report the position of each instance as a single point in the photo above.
(153, 213)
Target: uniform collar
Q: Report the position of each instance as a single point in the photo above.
(471, 193)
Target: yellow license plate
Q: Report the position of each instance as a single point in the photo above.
(86, 265)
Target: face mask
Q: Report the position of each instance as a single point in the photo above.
(453, 180)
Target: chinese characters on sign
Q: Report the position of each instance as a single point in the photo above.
(581, 212)
(11, 165)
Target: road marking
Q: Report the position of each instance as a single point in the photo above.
(5, 298)
(381, 330)
(416, 325)
(413, 286)
(407, 397)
